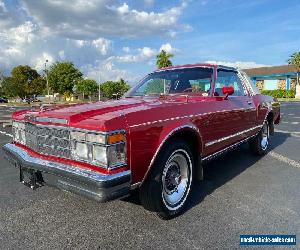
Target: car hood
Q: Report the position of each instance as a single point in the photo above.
(101, 116)
(104, 116)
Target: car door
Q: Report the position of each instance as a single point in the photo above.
(231, 117)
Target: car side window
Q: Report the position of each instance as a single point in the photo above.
(228, 78)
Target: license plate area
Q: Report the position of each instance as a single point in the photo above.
(31, 178)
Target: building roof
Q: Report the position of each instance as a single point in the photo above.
(274, 70)
(195, 65)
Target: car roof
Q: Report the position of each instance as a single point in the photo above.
(195, 65)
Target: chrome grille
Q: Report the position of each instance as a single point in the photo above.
(49, 141)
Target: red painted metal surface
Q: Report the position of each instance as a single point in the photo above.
(149, 120)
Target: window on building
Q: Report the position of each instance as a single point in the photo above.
(270, 84)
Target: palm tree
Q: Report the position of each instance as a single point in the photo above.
(295, 60)
(163, 59)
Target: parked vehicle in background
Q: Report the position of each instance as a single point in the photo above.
(31, 99)
(3, 100)
(156, 138)
(41, 98)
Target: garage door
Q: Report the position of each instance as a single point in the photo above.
(270, 84)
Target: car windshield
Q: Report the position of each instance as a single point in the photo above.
(194, 80)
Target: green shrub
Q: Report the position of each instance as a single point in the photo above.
(279, 93)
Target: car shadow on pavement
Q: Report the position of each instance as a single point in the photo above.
(225, 168)
(221, 170)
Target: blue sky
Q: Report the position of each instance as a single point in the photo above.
(113, 39)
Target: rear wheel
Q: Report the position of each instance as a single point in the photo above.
(259, 145)
(168, 185)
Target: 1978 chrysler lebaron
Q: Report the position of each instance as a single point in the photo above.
(156, 138)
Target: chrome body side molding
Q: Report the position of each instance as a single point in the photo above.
(231, 136)
(223, 151)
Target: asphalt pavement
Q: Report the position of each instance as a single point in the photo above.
(241, 194)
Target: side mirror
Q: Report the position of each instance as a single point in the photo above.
(229, 90)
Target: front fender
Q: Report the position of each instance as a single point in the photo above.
(170, 131)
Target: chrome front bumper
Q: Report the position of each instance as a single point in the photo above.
(88, 183)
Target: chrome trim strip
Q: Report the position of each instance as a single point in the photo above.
(245, 83)
(230, 136)
(186, 67)
(188, 116)
(163, 142)
(164, 120)
(209, 157)
(51, 120)
(95, 176)
(135, 185)
(77, 129)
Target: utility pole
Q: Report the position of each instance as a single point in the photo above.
(48, 92)
(99, 89)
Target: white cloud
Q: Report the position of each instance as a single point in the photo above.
(61, 54)
(168, 48)
(102, 45)
(2, 6)
(142, 54)
(15, 42)
(123, 9)
(24, 33)
(106, 71)
(126, 49)
(35, 31)
(239, 64)
(90, 19)
(81, 43)
(39, 61)
(12, 52)
(147, 52)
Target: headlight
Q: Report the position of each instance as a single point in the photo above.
(77, 136)
(22, 137)
(81, 151)
(18, 129)
(116, 155)
(16, 134)
(100, 154)
(105, 150)
(110, 156)
(97, 138)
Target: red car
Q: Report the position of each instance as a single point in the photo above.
(156, 138)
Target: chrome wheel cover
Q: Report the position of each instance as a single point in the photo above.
(176, 179)
(265, 136)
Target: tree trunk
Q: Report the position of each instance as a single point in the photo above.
(297, 87)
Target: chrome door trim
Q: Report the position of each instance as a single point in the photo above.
(230, 136)
(218, 153)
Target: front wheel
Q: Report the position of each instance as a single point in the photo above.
(168, 185)
(259, 144)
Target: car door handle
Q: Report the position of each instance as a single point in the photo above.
(249, 102)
